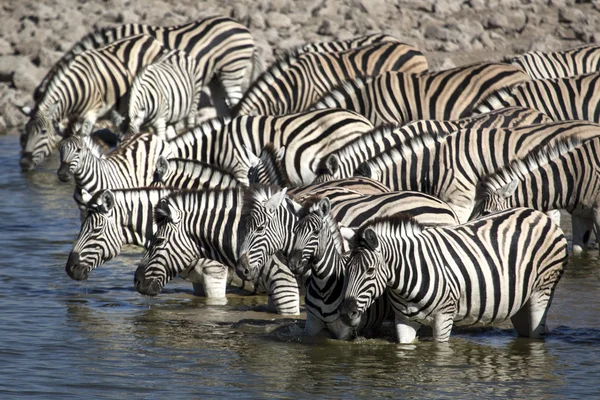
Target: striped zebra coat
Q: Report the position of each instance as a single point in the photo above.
(130, 165)
(222, 48)
(306, 136)
(210, 220)
(188, 174)
(88, 87)
(564, 176)
(344, 161)
(343, 45)
(294, 82)
(398, 97)
(502, 266)
(561, 99)
(451, 167)
(163, 94)
(318, 245)
(125, 216)
(559, 64)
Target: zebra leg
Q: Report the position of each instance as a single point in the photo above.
(539, 303)
(554, 215)
(442, 327)
(208, 277)
(582, 230)
(520, 320)
(232, 81)
(160, 128)
(406, 330)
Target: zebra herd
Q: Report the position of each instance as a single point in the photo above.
(346, 172)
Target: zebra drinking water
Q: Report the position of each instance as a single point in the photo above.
(502, 266)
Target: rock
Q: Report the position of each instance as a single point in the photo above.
(327, 28)
(3, 125)
(257, 21)
(278, 20)
(569, 15)
(476, 4)
(446, 7)
(5, 48)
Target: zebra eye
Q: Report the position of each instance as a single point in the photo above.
(260, 228)
(159, 242)
(371, 271)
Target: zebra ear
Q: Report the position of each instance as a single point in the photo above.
(162, 212)
(332, 164)
(370, 238)
(507, 190)
(25, 110)
(280, 153)
(252, 158)
(324, 207)
(276, 200)
(85, 196)
(161, 169)
(363, 169)
(108, 199)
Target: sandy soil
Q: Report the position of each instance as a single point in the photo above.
(34, 34)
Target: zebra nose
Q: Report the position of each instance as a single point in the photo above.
(74, 269)
(349, 312)
(149, 287)
(64, 173)
(27, 162)
(295, 263)
(243, 267)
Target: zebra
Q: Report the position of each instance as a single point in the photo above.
(294, 82)
(560, 98)
(559, 64)
(191, 174)
(130, 165)
(116, 217)
(204, 224)
(342, 45)
(306, 137)
(318, 245)
(452, 166)
(399, 97)
(87, 87)
(563, 176)
(268, 168)
(164, 93)
(505, 265)
(344, 161)
(222, 48)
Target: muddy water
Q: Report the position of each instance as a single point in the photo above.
(63, 339)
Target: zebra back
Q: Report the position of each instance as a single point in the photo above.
(451, 167)
(559, 64)
(342, 45)
(561, 98)
(445, 276)
(398, 97)
(191, 174)
(294, 83)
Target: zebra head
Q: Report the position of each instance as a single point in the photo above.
(492, 195)
(366, 276)
(100, 237)
(162, 172)
(171, 250)
(265, 228)
(42, 134)
(69, 150)
(309, 231)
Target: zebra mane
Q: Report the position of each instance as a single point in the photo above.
(311, 206)
(186, 200)
(495, 101)
(413, 145)
(401, 224)
(92, 145)
(520, 167)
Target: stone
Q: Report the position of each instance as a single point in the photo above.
(257, 21)
(569, 15)
(327, 28)
(278, 20)
(5, 48)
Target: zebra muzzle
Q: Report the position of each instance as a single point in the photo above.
(349, 313)
(243, 268)
(26, 162)
(64, 172)
(74, 268)
(295, 262)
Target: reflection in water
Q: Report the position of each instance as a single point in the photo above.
(62, 338)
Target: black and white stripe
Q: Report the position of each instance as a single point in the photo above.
(343, 45)
(130, 165)
(306, 136)
(559, 64)
(452, 166)
(294, 82)
(346, 159)
(319, 246)
(398, 97)
(88, 87)
(183, 173)
(564, 176)
(502, 266)
(561, 99)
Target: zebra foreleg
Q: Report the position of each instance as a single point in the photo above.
(406, 330)
(442, 327)
(208, 277)
(582, 230)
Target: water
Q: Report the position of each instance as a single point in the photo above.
(62, 339)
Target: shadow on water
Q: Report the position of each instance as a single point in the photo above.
(62, 338)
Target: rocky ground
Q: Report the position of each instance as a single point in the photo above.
(34, 34)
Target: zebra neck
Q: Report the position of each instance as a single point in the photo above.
(90, 169)
(327, 264)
